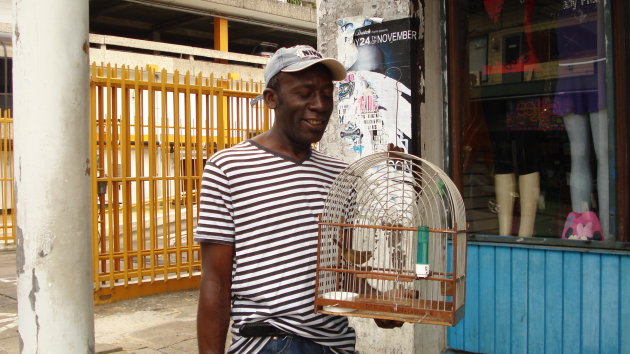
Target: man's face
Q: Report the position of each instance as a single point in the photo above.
(303, 104)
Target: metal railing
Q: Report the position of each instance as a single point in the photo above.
(132, 45)
(7, 201)
(151, 134)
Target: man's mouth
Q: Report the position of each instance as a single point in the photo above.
(315, 122)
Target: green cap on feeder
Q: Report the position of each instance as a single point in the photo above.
(422, 263)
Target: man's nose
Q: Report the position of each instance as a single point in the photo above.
(319, 102)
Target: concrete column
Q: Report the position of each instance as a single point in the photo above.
(410, 338)
(52, 176)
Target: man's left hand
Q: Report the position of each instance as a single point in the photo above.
(388, 324)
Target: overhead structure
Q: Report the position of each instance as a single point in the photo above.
(301, 19)
(193, 22)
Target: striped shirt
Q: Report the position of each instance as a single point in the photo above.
(267, 205)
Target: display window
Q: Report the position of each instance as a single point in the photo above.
(536, 135)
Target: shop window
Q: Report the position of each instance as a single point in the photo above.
(536, 136)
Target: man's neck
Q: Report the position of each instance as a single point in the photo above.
(270, 142)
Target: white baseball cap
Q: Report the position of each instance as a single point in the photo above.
(297, 58)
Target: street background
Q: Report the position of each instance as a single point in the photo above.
(163, 323)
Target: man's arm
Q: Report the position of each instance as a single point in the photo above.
(213, 313)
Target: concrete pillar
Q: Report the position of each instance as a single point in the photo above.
(410, 338)
(52, 176)
(435, 104)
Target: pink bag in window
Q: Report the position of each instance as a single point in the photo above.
(582, 226)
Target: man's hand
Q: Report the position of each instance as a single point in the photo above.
(395, 293)
(388, 324)
(392, 147)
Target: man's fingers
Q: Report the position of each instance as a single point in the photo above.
(388, 324)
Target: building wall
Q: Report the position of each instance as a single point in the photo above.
(430, 135)
(119, 51)
(6, 11)
(410, 338)
(329, 12)
(170, 64)
(6, 28)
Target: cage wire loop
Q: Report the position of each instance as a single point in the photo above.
(389, 245)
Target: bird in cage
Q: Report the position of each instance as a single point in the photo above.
(356, 257)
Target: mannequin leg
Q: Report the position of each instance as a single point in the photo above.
(504, 186)
(529, 191)
(599, 130)
(581, 180)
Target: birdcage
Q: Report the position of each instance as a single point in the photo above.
(392, 243)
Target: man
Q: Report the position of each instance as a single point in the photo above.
(260, 202)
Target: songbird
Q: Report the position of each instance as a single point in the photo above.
(356, 257)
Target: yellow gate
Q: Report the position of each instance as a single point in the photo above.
(151, 133)
(7, 215)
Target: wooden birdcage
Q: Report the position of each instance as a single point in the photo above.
(392, 243)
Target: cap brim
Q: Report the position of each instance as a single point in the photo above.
(336, 68)
(255, 100)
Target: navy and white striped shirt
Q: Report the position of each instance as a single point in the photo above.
(267, 206)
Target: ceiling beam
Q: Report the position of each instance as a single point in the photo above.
(108, 9)
(148, 27)
(180, 21)
(123, 22)
(270, 13)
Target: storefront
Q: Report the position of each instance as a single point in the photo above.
(535, 140)
(538, 145)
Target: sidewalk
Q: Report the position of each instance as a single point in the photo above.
(163, 323)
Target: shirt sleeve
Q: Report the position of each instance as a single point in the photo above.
(215, 223)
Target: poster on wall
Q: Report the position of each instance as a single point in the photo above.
(375, 100)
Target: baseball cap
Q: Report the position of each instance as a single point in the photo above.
(297, 58)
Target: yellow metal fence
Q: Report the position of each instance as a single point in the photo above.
(151, 134)
(7, 203)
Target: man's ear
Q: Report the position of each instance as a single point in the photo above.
(271, 98)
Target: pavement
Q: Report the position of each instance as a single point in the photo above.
(162, 323)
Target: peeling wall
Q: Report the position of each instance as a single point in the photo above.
(428, 135)
(329, 12)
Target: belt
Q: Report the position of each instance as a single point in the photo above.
(261, 329)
